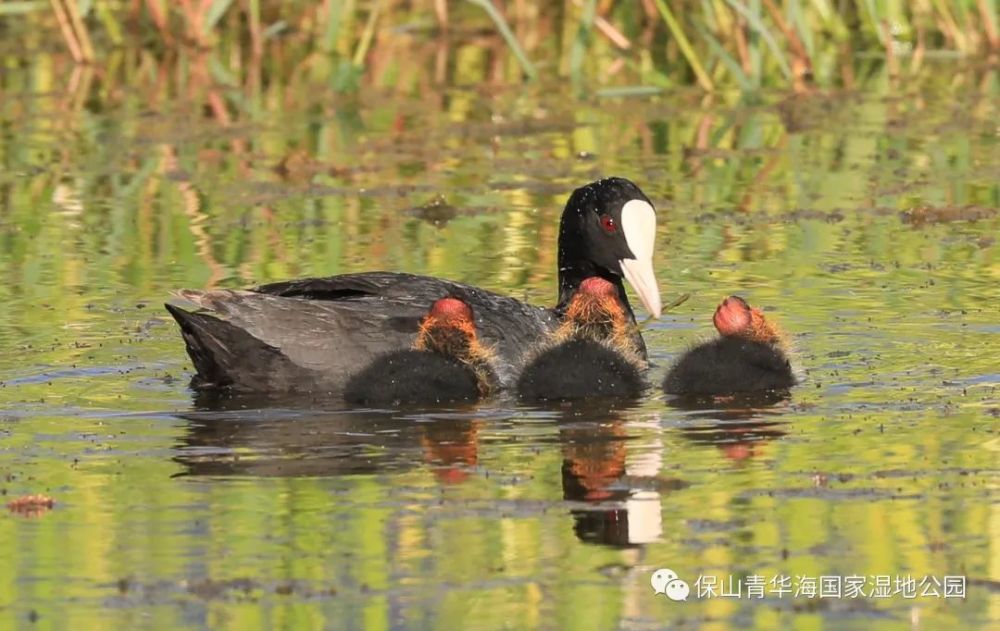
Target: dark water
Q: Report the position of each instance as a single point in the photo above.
(865, 222)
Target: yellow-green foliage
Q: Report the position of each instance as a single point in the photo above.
(714, 43)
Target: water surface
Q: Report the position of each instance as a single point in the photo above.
(864, 222)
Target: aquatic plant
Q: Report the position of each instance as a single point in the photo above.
(627, 45)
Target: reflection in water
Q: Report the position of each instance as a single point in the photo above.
(737, 424)
(451, 448)
(616, 494)
(237, 436)
(623, 509)
(593, 463)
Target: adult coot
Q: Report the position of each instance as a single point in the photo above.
(313, 334)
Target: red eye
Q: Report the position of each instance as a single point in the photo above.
(608, 223)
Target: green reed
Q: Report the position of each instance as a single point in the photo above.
(712, 43)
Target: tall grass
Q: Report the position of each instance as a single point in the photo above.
(713, 43)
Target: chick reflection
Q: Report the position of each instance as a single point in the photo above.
(738, 425)
(622, 489)
(256, 437)
(451, 448)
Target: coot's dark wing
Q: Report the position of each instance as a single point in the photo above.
(348, 286)
(326, 329)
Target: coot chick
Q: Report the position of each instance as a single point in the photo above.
(591, 354)
(748, 356)
(446, 364)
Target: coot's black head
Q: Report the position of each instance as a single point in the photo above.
(608, 229)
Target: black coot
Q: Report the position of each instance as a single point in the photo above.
(447, 364)
(748, 356)
(312, 334)
(592, 353)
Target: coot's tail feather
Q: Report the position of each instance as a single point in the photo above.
(220, 352)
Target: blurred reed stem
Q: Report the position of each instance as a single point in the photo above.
(716, 44)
